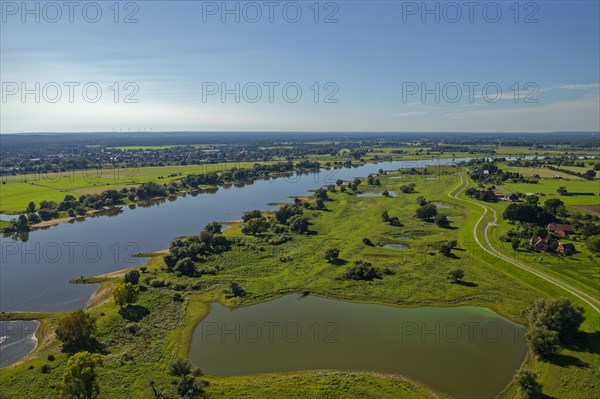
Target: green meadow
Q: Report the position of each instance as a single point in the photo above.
(415, 276)
(17, 191)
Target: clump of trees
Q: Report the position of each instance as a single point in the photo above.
(408, 188)
(528, 213)
(392, 220)
(362, 270)
(551, 323)
(183, 253)
(426, 212)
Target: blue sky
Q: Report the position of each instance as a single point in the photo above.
(369, 68)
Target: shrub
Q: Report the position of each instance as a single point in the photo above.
(362, 271)
(45, 368)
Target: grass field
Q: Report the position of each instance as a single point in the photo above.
(419, 279)
(17, 191)
(546, 188)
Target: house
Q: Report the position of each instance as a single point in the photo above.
(538, 244)
(499, 196)
(565, 248)
(511, 197)
(561, 230)
(558, 177)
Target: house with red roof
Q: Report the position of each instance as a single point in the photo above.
(538, 244)
(561, 230)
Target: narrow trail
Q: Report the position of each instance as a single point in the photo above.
(454, 194)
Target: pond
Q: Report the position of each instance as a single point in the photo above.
(391, 194)
(395, 246)
(466, 352)
(17, 340)
(34, 274)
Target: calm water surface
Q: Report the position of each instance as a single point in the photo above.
(467, 352)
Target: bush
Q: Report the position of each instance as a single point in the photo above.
(132, 277)
(132, 327)
(529, 388)
(362, 271)
(426, 212)
(368, 242)
(456, 274)
(51, 358)
(45, 368)
(157, 283)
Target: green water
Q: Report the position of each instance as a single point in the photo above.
(466, 352)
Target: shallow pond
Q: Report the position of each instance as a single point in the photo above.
(395, 246)
(391, 194)
(466, 352)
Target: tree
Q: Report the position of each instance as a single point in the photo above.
(408, 188)
(132, 277)
(532, 199)
(560, 315)
(385, 217)
(442, 220)
(426, 212)
(186, 267)
(590, 174)
(553, 205)
(287, 211)
(362, 271)
(298, 224)
(234, 289)
(562, 190)
(455, 275)
(125, 294)
(515, 243)
(332, 255)
(77, 330)
(34, 218)
(254, 214)
(593, 244)
(542, 341)
(445, 249)
(79, 378)
(422, 200)
(255, 226)
(188, 385)
(529, 388)
(213, 228)
(471, 191)
(30, 207)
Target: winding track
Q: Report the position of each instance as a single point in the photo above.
(455, 192)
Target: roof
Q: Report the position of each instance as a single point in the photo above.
(567, 228)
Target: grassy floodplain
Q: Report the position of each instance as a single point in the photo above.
(18, 190)
(419, 278)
